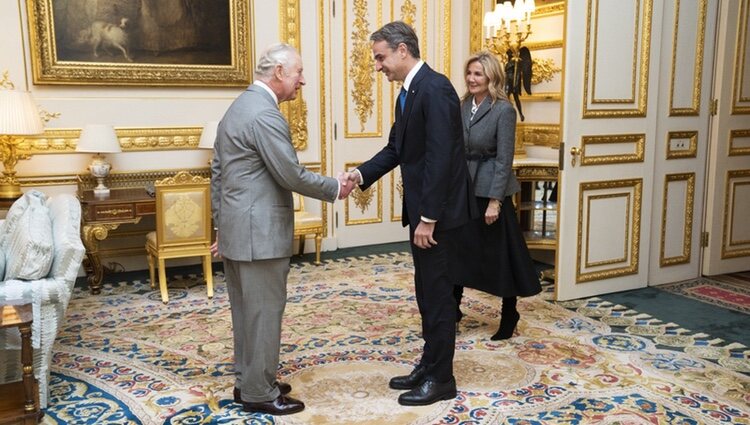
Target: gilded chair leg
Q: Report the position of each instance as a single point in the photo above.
(150, 259)
(208, 275)
(318, 241)
(163, 281)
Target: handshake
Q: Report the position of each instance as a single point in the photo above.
(348, 181)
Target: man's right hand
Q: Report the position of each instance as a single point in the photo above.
(215, 247)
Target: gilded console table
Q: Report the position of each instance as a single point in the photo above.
(100, 215)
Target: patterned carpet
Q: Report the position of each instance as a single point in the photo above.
(351, 324)
(730, 291)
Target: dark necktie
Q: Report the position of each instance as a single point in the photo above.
(402, 99)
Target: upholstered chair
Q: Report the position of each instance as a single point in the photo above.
(183, 227)
(41, 254)
(307, 223)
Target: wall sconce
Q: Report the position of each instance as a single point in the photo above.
(99, 138)
(19, 116)
(504, 32)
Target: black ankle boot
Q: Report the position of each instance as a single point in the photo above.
(509, 318)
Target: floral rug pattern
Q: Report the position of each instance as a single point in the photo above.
(123, 357)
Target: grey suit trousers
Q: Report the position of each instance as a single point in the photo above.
(257, 297)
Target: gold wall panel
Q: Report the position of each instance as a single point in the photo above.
(735, 149)
(446, 37)
(626, 235)
(692, 149)
(605, 107)
(475, 26)
(741, 91)
(694, 108)
(687, 231)
(132, 139)
(408, 13)
(295, 110)
(537, 134)
(397, 194)
(550, 8)
(633, 189)
(735, 214)
(590, 159)
(361, 202)
(361, 70)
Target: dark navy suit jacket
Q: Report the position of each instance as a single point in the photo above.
(427, 142)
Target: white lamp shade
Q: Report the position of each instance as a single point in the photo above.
(100, 138)
(208, 136)
(19, 114)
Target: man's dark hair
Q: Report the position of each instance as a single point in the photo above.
(395, 33)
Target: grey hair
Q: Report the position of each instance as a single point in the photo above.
(395, 33)
(275, 54)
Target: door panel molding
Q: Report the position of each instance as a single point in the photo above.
(741, 89)
(590, 271)
(640, 43)
(697, 26)
(735, 215)
(742, 147)
(686, 203)
(635, 155)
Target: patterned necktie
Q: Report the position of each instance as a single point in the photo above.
(402, 99)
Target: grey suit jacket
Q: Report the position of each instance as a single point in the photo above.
(490, 139)
(253, 173)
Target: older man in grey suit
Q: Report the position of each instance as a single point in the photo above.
(254, 171)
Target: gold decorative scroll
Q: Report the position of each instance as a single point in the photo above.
(475, 26)
(543, 70)
(408, 12)
(537, 134)
(362, 66)
(295, 110)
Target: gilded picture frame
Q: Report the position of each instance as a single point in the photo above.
(141, 42)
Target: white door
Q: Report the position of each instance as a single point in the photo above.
(682, 135)
(606, 197)
(728, 194)
(362, 104)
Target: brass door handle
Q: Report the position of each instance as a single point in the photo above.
(574, 153)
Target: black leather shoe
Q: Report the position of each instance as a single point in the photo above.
(284, 388)
(282, 405)
(428, 392)
(407, 382)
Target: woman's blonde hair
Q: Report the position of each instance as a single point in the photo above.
(494, 73)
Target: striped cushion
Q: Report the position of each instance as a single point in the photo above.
(28, 244)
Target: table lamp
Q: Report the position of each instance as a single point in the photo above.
(99, 138)
(208, 136)
(19, 116)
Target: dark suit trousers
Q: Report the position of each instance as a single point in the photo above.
(437, 306)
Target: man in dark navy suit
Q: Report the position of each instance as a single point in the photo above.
(426, 140)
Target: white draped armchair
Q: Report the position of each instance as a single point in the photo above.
(40, 259)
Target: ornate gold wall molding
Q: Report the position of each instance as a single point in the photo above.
(543, 70)
(687, 233)
(475, 26)
(557, 8)
(361, 70)
(132, 139)
(544, 45)
(362, 200)
(447, 37)
(323, 129)
(695, 104)
(294, 110)
(537, 134)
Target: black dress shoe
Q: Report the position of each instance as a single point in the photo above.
(282, 405)
(407, 382)
(284, 388)
(428, 392)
